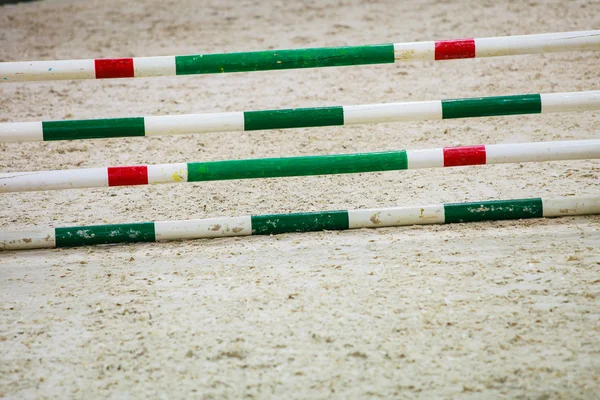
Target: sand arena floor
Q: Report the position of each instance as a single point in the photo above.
(487, 310)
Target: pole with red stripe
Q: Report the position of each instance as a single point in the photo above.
(388, 53)
(299, 166)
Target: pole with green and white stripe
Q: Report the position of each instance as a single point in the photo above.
(299, 222)
(300, 117)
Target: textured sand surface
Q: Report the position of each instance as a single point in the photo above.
(488, 310)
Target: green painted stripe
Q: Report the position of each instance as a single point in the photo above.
(105, 234)
(284, 59)
(299, 222)
(293, 118)
(297, 166)
(93, 128)
(490, 106)
(493, 210)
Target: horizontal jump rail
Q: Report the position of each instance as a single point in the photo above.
(299, 117)
(139, 67)
(299, 166)
(299, 222)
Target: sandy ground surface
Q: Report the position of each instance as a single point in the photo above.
(488, 310)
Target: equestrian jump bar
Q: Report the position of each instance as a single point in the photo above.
(299, 166)
(299, 58)
(299, 117)
(299, 222)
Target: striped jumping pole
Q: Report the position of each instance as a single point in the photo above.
(300, 117)
(299, 222)
(299, 166)
(299, 58)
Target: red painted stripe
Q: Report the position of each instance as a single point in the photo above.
(127, 176)
(114, 68)
(453, 49)
(468, 155)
